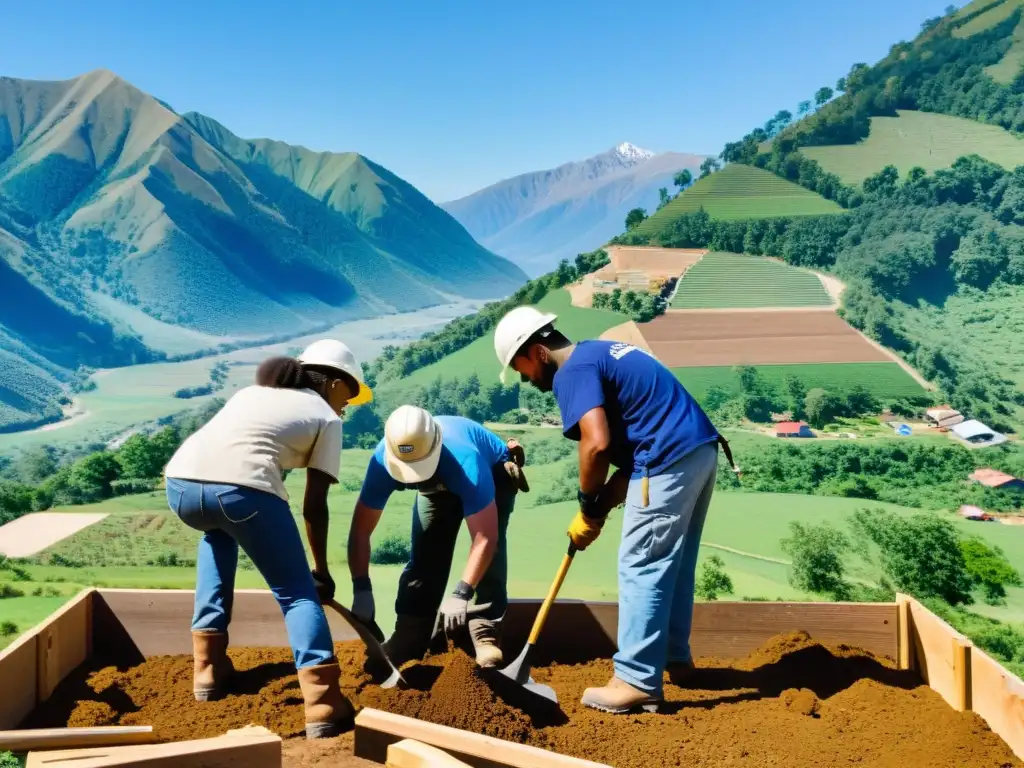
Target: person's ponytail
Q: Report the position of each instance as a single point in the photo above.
(282, 372)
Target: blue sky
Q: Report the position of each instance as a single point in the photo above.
(455, 95)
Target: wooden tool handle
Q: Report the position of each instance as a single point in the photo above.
(542, 614)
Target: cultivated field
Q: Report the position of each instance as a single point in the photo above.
(681, 339)
(883, 380)
(998, 12)
(930, 141)
(656, 262)
(729, 280)
(35, 532)
(741, 192)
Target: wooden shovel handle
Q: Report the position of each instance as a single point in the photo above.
(542, 614)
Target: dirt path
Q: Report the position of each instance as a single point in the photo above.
(35, 532)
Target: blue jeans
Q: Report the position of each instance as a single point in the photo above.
(657, 565)
(262, 523)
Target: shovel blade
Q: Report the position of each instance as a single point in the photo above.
(374, 649)
(539, 689)
(519, 670)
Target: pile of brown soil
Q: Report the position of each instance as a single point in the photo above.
(793, 702)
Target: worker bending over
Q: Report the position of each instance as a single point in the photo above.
(627, 409)
(227, 481)
(460, 471)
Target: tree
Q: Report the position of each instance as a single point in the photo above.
(713, 580)
(91, 477)
(950, 10)
(860, 400)
(139, 458)
(797, 396)
(822, 407)
(823, 95)
(635, 217)
(817, 553)
(804, 108)
(841, 85)
(683, 179)
(989, 568)
(709, 166)
(920, 554)
(663, 197)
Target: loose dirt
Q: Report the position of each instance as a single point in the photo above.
(792, 703)
(35, 532)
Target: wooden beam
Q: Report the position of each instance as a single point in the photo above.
(24, 739)
(63, 642)
(906, 647)
(998, 697)
(578, 631)
(234, 750)
(415, 754)
(377, 730)
(155, 622)
(941, 654)
(18, 672)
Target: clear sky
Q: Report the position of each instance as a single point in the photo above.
(454, 95)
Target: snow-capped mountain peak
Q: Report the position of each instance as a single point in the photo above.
(632, 153)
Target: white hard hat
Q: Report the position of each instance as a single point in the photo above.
(514, 329)
(331, 353)
(412, 444)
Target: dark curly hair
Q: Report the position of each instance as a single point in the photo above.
(283, 372)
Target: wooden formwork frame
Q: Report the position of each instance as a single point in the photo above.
(144, 623)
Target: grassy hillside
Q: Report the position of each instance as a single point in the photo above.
(918, 139)
(741, 192)
(478, 358)
(886, 381)
(724, 280)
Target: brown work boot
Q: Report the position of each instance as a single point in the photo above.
(410, 639)
(486, 636)
(211, 666)
(619, 698)
(680, 672)
(328, 712)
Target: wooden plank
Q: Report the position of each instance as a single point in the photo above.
(377, 730)
(998, 697)
(24, 739)
(578, 631)
(18, 673)
(906, 655)
(230, 751)
(63, 642)
(940, 654)
(415, 754)
(157, 621)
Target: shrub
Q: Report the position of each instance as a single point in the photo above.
(394, 550)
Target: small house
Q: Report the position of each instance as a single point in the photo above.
(793, 429)
(973, 432)
(943, 417)
(993, 478)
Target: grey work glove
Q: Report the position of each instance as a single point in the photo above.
(456, 607)
(363, 606)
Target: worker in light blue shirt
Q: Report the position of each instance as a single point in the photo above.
(627, 410)
(460, 471)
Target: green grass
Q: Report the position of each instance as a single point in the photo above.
(996, 14)
(575, 322)
(744, 529)
(884, 380)
(931, 141)
(734, 280)
(741, 192)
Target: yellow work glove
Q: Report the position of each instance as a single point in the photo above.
(584, 530)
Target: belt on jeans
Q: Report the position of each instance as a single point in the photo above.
(645, 485)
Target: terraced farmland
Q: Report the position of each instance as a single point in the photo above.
(995, 12)
(741, 192)
(931, 141)
(729, 280)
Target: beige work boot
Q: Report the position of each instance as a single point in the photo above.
(211, 666)
(619, 698)
(680, 672)
(410, 639)
(328, 712)
(486, 636)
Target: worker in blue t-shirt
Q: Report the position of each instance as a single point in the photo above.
(626, 409)
(460, 471)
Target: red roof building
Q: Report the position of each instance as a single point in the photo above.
(793, 429)
(993, 478)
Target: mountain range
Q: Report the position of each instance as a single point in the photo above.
(124, 224)
(536, 219)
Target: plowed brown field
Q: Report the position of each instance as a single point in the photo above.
(756, 338)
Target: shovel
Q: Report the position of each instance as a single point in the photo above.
(372, 636)
(519, 670)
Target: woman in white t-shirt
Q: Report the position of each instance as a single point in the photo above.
(226, 481)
